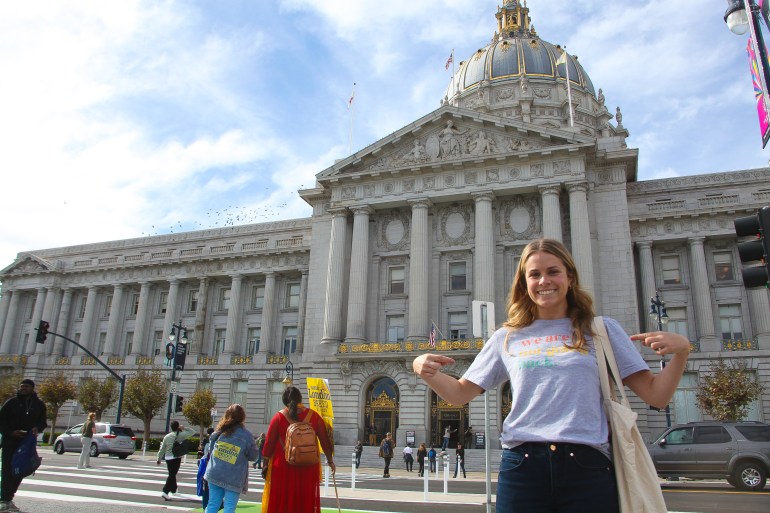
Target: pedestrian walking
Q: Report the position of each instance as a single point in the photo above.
(460, 459)
(290, 488)
(408, 458)
(19, 415)
(227, 472)
(166, 453)
(546, 349)
(86, 435)
(432, 458)
(387, 446)
(260, 441)
(358, 450)
(422, 453)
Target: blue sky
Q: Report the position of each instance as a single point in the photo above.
(121, 119)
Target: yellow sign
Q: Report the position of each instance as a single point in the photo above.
(320, 401)
(226, 452)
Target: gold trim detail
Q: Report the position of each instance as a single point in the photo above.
(241, 360)
(383, 401)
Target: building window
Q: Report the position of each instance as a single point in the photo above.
(458, 325)
(107, 306)
(134, 305)
(31, 309)
(394, 327)
(457, 276)
(731, 322)
(252, 343)
(292, 295)
(396, 280)
(238, 392)
(685, 404)
(129, 344)
(82, 310)
(162, 303)
(289, 340)
(224, 300)
(102, 343)
(723, 266)
(672, 274)
(274, 398)
(206, 384)
(192, 301)
(219, 341)
(677, 321)
(258, 297)
(157, 342)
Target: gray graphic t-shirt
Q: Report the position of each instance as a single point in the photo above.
(555, 389)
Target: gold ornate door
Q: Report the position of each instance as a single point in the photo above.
(381, 410)
(443, 414)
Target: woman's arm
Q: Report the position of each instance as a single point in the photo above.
(455, 391)
(657, 390)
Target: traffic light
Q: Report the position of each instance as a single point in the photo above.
(179, 404)
(42, 332)
(757, 250)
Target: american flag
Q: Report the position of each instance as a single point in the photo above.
(450, 60)
(432, 337)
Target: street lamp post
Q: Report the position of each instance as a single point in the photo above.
(289, 379)
(658, 314)
(177, 361)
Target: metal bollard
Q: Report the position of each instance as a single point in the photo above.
(425, 477)
(446, 474)
(353, 473)
(144, 448)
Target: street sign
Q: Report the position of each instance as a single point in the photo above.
(172, 388)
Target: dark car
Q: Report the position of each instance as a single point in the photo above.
(736, 451)
(108, 439)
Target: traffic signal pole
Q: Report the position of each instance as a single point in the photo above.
(42, 332)
(757, 250)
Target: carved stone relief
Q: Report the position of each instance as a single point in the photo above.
(470, 177)
(394, 230)
(520, 218)
(455, 226)
(561, 167)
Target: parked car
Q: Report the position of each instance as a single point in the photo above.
(109, 439)
(736, 451)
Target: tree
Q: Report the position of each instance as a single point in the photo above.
(726, 393)
(146, 393)
(197, 409)
(54, 391)
(9, 384)
(96, 395)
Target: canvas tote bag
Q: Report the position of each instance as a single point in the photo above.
(638, 486)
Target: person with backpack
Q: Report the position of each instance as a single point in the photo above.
(432, 459)
(232, 447)
(386, 452)
(177, 435)
(291, 465)
(20, 415)
(260, 441)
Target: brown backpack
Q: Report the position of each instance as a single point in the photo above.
(301, 447)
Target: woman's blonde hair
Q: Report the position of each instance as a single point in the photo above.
(233, 417)
(522, 311)
(91, 415)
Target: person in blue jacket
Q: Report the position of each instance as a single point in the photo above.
(227, 473)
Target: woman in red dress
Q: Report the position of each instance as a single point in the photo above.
(288, 488)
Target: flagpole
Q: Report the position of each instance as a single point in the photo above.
(351, 107)
(439, 331)
(454, 84)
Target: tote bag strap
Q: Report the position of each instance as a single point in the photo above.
(605, 357)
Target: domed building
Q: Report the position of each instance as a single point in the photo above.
(423, 227)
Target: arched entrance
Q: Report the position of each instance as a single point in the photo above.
(381, 410)
(443, 414)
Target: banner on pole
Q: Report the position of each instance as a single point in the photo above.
(320, 401)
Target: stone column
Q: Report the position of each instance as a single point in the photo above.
(171, 305)
(647, 273)
(759, 309)
(5, 303)
(37, 315)
(233, 319)
(113, 325)
(699, 279)
(89, 319)
(301, 313)
(200, 318)
(484, 260)
(141, 344)
(268, 314)
(359, 266)
(581, 235)
(419, 263)
(6, 347)
(64, 323)
(332, 333)
(549, 195)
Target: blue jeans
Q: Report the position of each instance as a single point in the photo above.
(556, 478)
(216, 494)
